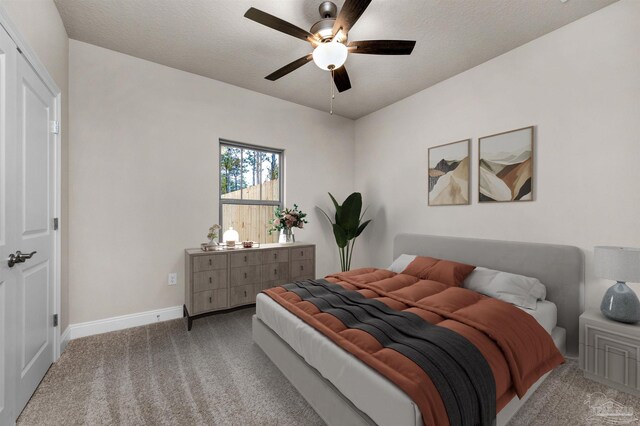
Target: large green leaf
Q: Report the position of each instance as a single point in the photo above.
(337, 206)
(350, 214)
(341, 237)
(361, 227)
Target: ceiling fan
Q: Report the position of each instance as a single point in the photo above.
(329, 38)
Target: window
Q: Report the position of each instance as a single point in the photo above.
(251, 183)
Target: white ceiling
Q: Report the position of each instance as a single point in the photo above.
(213, 39)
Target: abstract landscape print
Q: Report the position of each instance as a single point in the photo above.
(449, 174)
(506, 166)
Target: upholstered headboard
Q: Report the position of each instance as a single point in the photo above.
(559, 268)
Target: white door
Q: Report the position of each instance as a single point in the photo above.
(35, 183)
(8, 371)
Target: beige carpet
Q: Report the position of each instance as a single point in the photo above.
(214, 375)
(565, 399)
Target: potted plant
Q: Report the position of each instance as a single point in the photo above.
(285, 220)
(347, 226)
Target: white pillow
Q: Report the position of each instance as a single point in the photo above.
(511, 288)
(401, 263)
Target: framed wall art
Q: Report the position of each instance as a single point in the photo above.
(448, 174)
(505, 166)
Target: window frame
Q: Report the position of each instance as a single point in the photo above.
(240, 201)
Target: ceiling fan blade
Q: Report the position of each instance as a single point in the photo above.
(289, 67)
(279, 24)
(349, 14)
(341, 79)
(382, 47)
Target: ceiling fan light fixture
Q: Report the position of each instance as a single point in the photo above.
(330, 55)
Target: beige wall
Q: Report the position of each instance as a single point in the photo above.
(144, 173)
(40, 24)
(580, 86)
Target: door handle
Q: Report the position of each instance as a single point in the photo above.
(19, 257)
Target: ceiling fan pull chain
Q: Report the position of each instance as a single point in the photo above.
(331, 93)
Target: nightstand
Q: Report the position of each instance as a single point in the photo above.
(610, 352)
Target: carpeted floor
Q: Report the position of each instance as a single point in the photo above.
(565, 398)
(214, 375)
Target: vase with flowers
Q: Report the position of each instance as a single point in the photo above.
(284, 222)
(213, 234)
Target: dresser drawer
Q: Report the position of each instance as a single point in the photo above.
(275, 256)
(302, 269)
(204, 301)
(207, 263)
(244, 259)
(302, 253)
(278, 272)
(209, 280)
(242, 295)
(245, 276)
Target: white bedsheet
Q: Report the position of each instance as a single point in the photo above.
(546, 313)
(370, 392)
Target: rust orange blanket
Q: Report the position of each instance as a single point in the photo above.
(518, 350)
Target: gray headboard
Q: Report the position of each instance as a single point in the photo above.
(559, 268)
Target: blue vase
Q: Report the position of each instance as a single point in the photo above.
(620, 303)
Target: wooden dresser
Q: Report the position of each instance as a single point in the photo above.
(225, 279)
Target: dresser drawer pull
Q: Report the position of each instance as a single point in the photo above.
(275, 271)
(301, 253)
(245, 259)
(245, 275)
(275, 255)
(209, 261)
(245, 293)
(302, 267)
(210, 299)
(209, 280)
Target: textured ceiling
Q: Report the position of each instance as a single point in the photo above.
(213, 39)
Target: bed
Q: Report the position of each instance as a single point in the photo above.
(344, 391)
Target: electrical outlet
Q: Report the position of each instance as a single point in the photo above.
(173, 278)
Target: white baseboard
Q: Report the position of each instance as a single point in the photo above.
(64, 339)
(125, 321)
